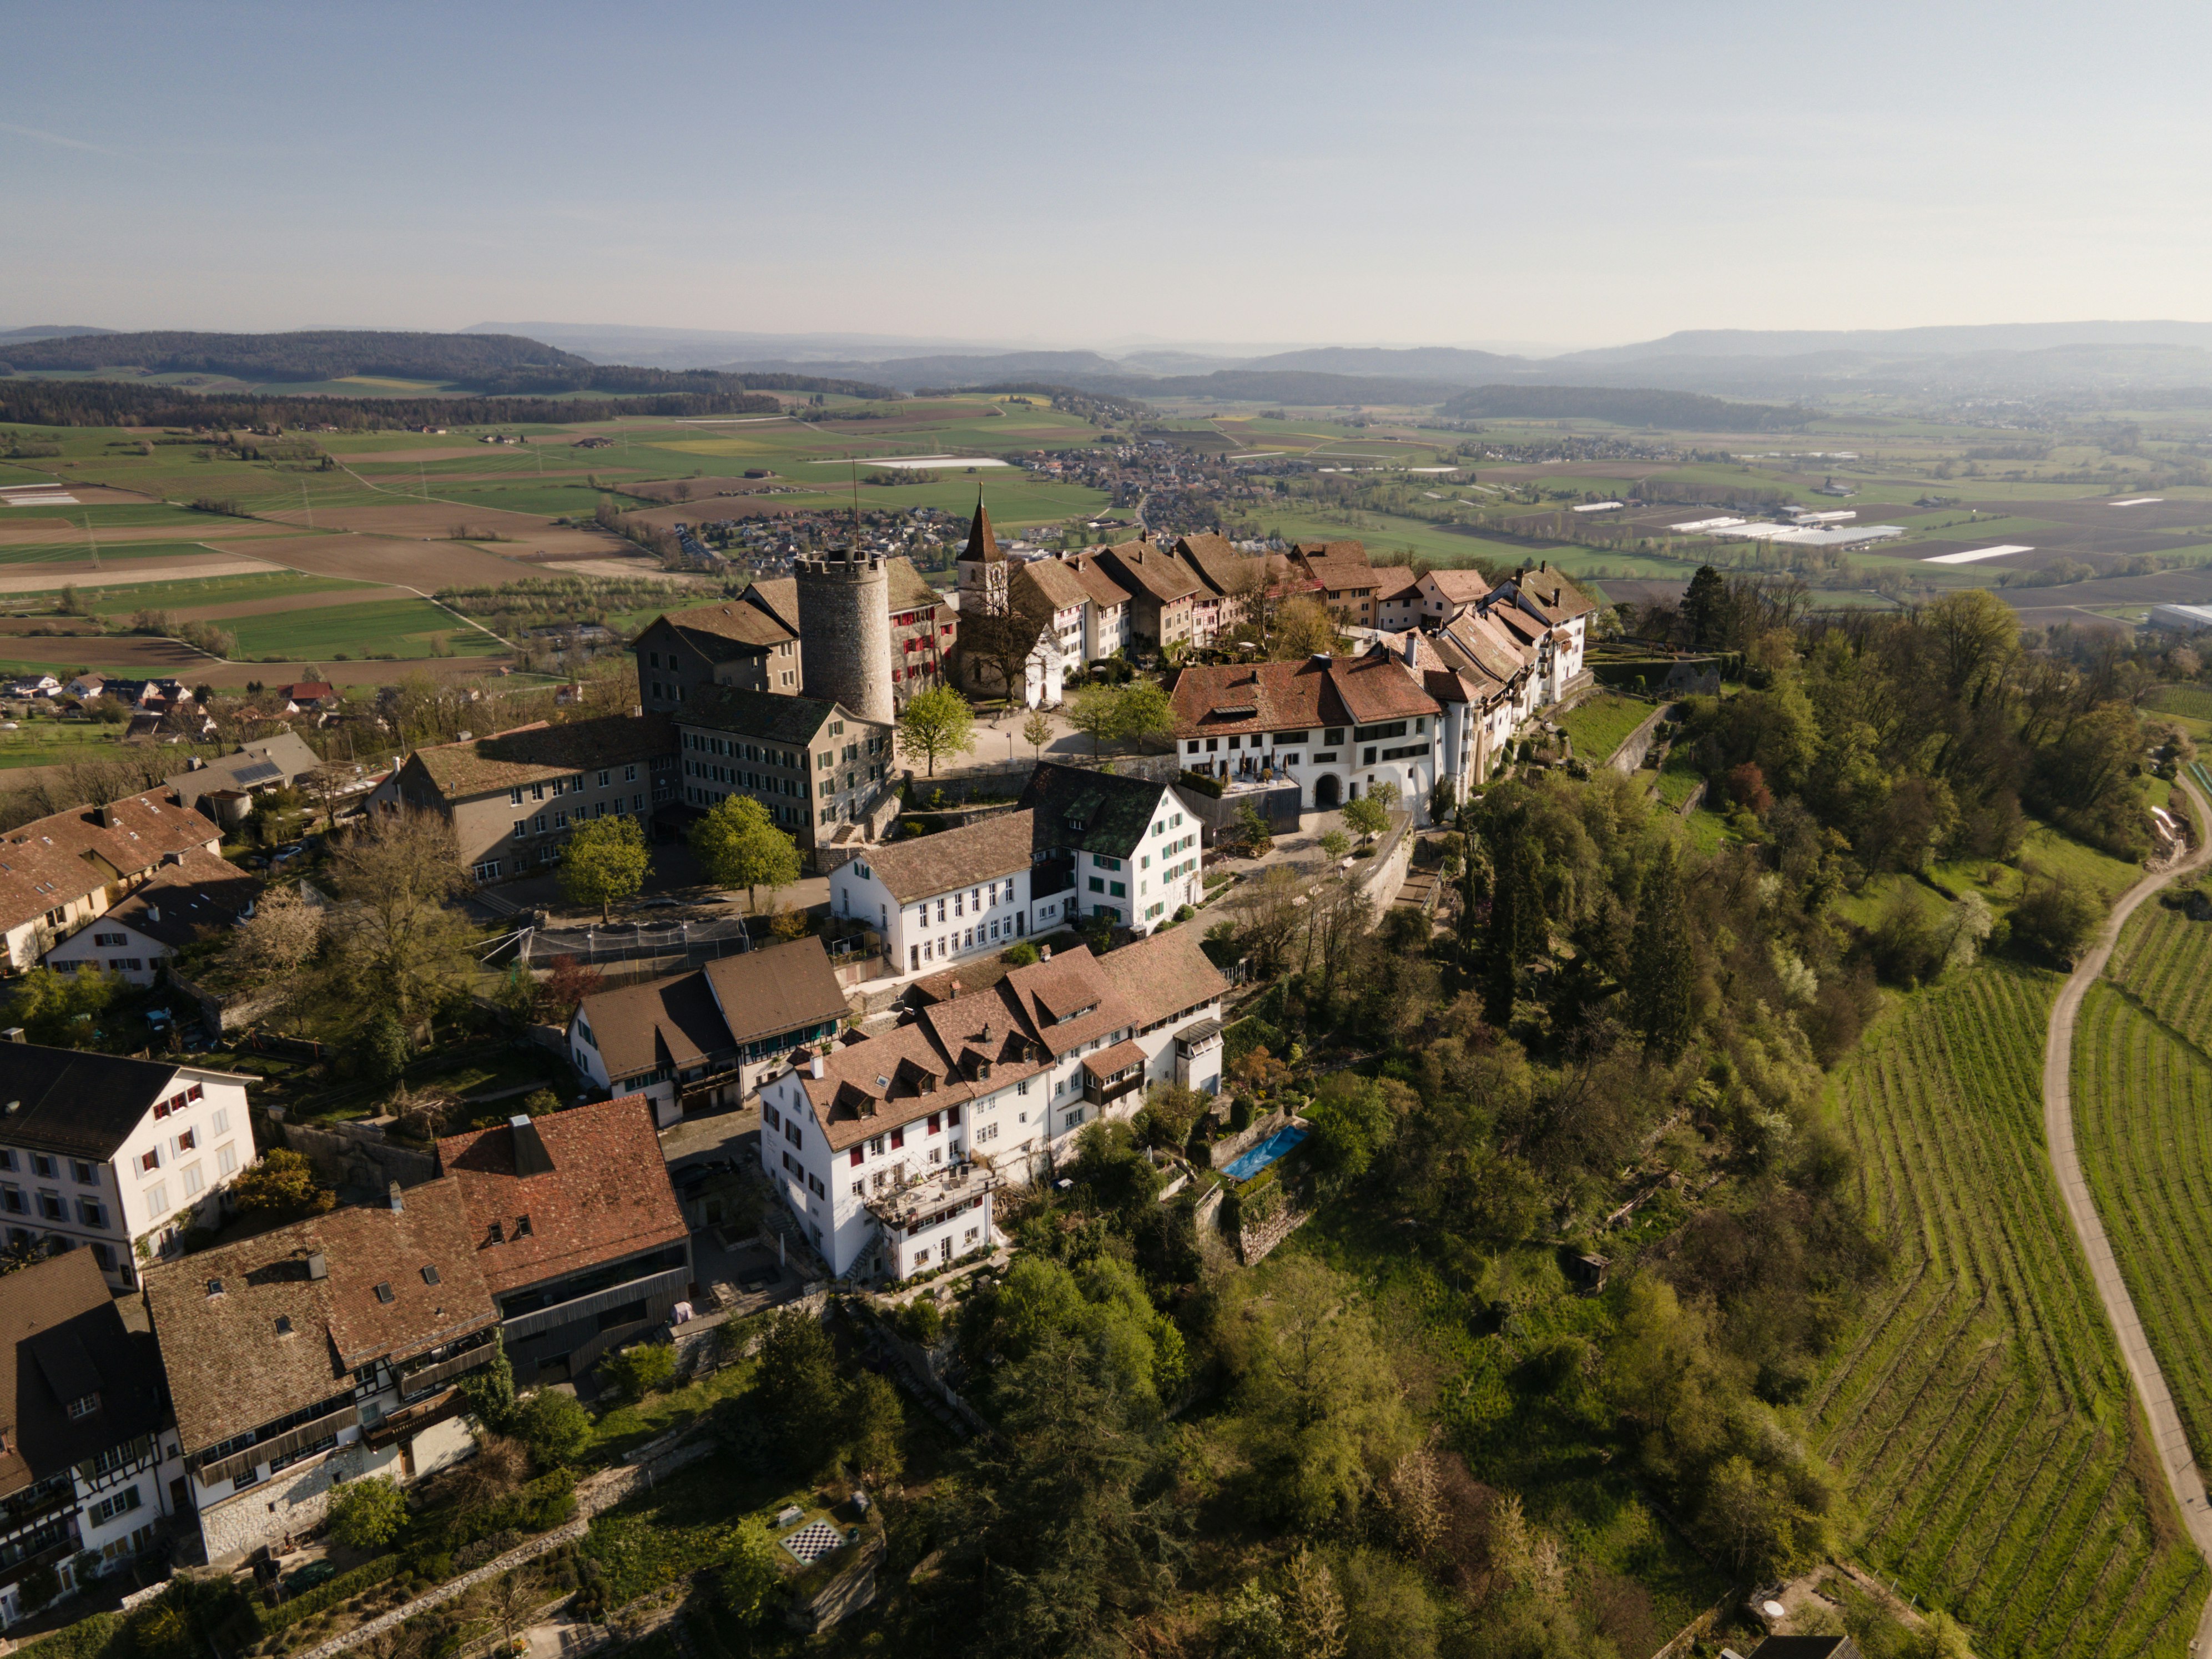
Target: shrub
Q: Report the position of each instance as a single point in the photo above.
(1202, 784)
(2054, 919)
(366, 1515)
(638, 1370)
(556, 1428)
(1024, 954)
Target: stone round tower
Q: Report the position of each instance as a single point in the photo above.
(845, 630)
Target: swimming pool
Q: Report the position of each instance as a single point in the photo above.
(1253, 1159)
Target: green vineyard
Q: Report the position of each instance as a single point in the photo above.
(2164, 962)
(2143, 1119)
(1982, 1419)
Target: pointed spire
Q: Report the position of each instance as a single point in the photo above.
(983, 546)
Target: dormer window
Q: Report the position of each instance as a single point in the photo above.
(84, 1406)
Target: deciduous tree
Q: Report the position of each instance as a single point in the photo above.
(937, 724)
(741, 847)
(603, 862)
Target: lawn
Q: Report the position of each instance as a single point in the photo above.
(1598, 725)
(394, 627)
(48, 743)
(2053, 853)
(1979, 1415)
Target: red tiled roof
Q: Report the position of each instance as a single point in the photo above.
(1396, 581)
(46, 863)
(606, 1197)
(1286, 697)
(1378, 688)
(231, 1367)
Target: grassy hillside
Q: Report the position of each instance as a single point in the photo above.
(1982, 1416)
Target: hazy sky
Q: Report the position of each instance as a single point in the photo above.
(1579, 173)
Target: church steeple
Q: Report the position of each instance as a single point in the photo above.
(983, 546)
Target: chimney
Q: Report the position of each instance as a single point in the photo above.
(318, 1266)
(1412, 639)
(391, 1197)
(1044, 954)
(531, 1158)
(815, 1067)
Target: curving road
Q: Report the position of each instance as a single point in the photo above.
(2182, 1473)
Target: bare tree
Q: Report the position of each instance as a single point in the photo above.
(400, 944)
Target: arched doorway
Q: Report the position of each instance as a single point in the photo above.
(1325, 796)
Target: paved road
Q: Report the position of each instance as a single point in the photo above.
(2181, 1471)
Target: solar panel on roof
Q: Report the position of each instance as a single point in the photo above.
(260, 772)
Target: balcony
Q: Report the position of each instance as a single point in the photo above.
(1113, 1073)
(1200, 1037)
(916, 1206)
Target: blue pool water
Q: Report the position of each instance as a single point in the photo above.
(1250, 1161)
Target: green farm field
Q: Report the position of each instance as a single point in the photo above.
(1980, 1415)
(397, 627)
(197, 595)
(110, 553)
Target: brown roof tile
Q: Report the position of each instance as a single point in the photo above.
(49, 861)
(1061, 587)
(1103, 589)
(1152, 567)
(538, 752)
(1160, 976)
(231, 1368)
(606, 1197)
(777, 989)
(979, 852)
(664, 1023)
(61, 1334)
(983, 546)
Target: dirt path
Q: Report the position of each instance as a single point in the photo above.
(2182, 1473)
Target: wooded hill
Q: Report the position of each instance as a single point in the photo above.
(494, 365)
(1678, 411)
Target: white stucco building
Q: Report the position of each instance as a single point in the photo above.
(118, 1156)
(889, 1151)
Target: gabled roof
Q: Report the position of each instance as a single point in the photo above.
(81, 1104)
(606, 1196)
(1150, 568)
(1101, 587)
(262, 764)
(61, 1338)
(664, 1023)
(1098, 811)
(1551, 595)
(905, 586)
(981, 1041)
(1059, 586)
(1459, 586)
(1293, 696)
(1396, 581)
(744, 625)
(776, 595)
(1215, 560)
(539, 752)
(767, 715)
(983, 546)
(232, 1366)
(930, 865)
(1378, 687)
(1472, 643)
(776, 988)
(198, 891)
(49, 861)
(1343, 552)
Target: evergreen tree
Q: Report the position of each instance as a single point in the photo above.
(1662, 977)
(1704, 607)
(1519, 928)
